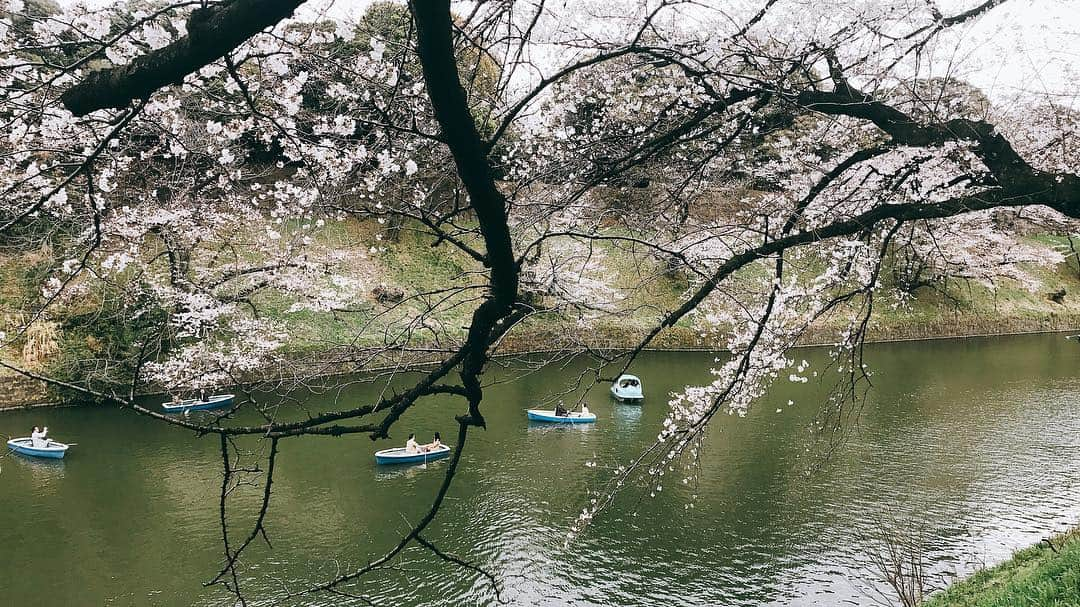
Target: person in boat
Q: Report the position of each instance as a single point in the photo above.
(37, 437)
(202, 395)
(434, 444)
(560, 410)
(584, 409)
(410, 445)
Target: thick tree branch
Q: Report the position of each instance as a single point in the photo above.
(212, 32)
(434, 28)
(1012, 173)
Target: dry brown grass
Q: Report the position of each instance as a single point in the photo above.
(42, 342)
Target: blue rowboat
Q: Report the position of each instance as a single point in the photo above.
(214, 402)
(548, 415)
(399, 455)
(25, 446)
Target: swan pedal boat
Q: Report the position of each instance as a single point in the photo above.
(548, 415)
(399, 455)
(194, 404)
(25, 446)
(627, 389)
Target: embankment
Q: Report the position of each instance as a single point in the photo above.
(1044, 575)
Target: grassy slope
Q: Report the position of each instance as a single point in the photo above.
(1034, 577)
(978, 309)
(970, 308)
(413, 265)
(18, 279)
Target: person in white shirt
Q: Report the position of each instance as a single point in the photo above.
(37, 437)
(584, 409)
(411, 446)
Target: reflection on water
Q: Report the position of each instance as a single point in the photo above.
(399, 471)
(43, 471)
(626, 416)
(973, 442)
(541, 428)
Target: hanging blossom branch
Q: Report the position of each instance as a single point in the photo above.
(1016, 182)
(212, 35)
(742, 379)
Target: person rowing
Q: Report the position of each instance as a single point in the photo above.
(38, 437)
(560, 410)
(410, 445)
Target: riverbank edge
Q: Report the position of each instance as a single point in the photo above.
(30, 393)
(1044, 575)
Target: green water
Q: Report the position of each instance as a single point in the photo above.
(974, 441)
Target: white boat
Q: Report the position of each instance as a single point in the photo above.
(212, 402)
(627, 388)
(571, 417)
(46, 448)
(401, 455)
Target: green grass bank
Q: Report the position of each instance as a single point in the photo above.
(81, 337)
(1044, 575)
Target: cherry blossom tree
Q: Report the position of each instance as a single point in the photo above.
(183, 157)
